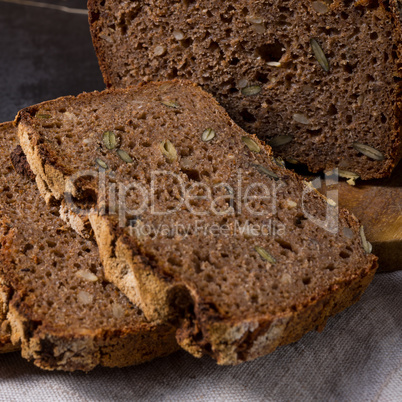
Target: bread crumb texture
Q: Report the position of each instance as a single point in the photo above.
(239, 272)
(59, 308)
(326, 73)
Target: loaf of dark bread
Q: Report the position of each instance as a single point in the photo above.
(196, 221)
(318, 80)
(62, 312)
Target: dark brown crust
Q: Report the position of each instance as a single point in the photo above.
(28, 115)
(394, 150)
(6, 345)
(20, 163)
(94, 16)
(396, 155)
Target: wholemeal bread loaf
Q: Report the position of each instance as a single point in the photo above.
(318, 80)
(62, 312)
(196, 222)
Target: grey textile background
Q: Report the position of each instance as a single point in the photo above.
(46, 53)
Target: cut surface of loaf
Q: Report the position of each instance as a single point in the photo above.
(318, 80)
(198, 222)
(62, 312)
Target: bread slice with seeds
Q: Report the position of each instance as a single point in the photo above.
(56, 304)
(195, 220)
(320, 81)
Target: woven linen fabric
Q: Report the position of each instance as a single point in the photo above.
(358, 357)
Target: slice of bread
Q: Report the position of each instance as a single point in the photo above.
(196, 220)
(62, 312)
(320, 81)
